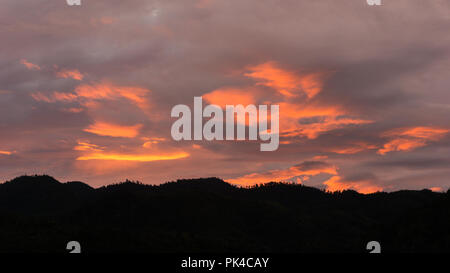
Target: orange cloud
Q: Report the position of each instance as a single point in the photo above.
(96, 152)
(150, 141)
(336, 183)
(408, 139)
(307, 168)
(328, 117)
(196, 146)
(88, 94)
(30, 65)
(38, 96)
(436, 189)
(286, 82)
(402, 144)
(356, 148)
(312, 84)
(113, 130)
(72, 74)
(5, 153)
(54, 97)
(134, 157)
(107, 91)
(312, 131)
(230, 96)
(86, 146)
(429, 133)
(64, 96)
(322, 118)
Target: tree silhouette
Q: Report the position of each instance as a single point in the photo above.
(40, 214)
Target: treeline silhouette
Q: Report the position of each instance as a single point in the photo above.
(40, 214)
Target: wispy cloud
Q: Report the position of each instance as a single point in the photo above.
(29, 65)
(70, 74)
(305, 169)
(366, 186)
(134, 157)
(151, 141)
(86, 146)
(108, 129)
(286, 82)
(354, 148)
(85, 94)
(408, 139)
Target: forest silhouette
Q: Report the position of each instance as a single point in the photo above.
(40, 214)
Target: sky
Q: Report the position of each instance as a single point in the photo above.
(86, 91)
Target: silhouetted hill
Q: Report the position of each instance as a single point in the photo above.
(38, 213)
(41, 194)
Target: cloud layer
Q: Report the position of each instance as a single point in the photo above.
(86, 92)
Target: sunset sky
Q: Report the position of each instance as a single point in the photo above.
(86, 91)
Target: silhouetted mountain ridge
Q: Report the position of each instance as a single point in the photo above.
(38, 213)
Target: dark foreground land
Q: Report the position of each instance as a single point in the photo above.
(40, 214)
